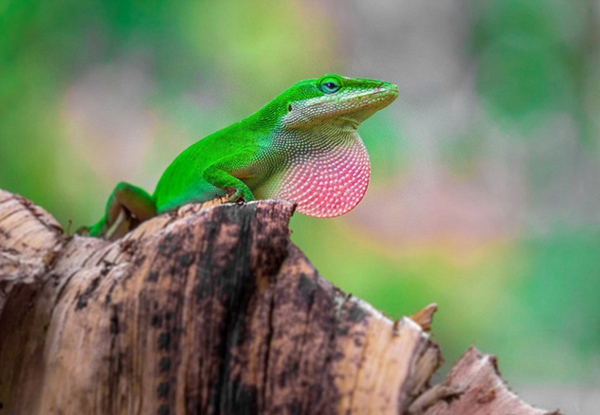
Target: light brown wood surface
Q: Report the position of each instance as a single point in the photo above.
(208, 311)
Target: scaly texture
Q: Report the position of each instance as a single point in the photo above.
(325, 178)
(303, 147)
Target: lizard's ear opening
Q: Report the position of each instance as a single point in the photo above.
(290, 108)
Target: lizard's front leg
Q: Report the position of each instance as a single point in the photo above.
(227, 175)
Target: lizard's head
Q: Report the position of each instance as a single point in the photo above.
(334, 100)
(323, 165)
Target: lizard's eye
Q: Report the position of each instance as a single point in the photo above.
(330, 85)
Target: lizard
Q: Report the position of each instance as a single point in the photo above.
(302, 146)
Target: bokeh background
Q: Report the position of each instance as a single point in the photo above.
(485, 191)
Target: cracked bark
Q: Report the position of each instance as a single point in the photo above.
(208, 311)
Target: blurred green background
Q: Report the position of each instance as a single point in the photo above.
(485, 191)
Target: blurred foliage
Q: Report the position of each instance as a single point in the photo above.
(529, 294)
(532, 58)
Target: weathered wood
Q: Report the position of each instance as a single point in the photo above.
(210, 311)
(474, 386)
(29, 239)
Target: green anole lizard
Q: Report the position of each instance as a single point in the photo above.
(303, 146)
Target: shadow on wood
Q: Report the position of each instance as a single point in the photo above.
(208, 312)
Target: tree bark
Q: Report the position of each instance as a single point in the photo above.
(208, 310)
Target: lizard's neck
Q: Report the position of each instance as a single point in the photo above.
(325, 171)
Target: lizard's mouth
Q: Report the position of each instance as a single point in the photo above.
(384, 95)
(352, 107)
(383, 91)
(346, 109)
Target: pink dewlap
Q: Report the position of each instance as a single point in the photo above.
(328, 183)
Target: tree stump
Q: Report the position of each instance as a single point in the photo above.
(208, 310)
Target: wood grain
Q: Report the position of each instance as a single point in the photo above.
(207, 310)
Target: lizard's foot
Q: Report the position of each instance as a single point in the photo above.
(83, 230)
(239, 196)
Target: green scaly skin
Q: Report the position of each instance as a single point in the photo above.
(302, 146)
